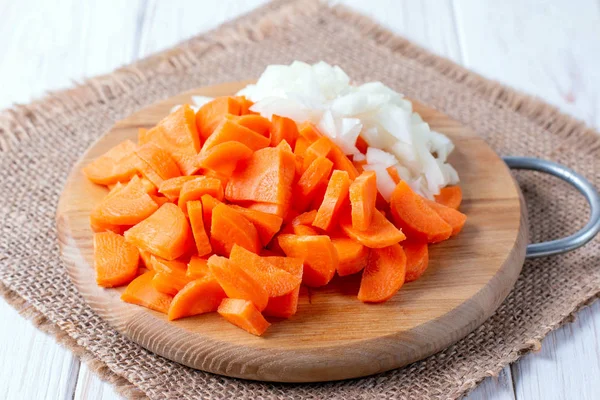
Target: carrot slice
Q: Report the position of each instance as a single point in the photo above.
(159, 200)
(279, 210)
(267, 225)
(254, 122)
(245, 105)
(304, 230)
(319, 148)
(283, 128)
(116, 261)
(309, 132)
(149, 187)
(359, 165)
(266, 177)
(310, 181)
(177, 134)
(143, 137)
(197, 297)
(317, 252)
(306, 218)
(197, 268)
(195, 189)
(411, 213)
(343, 163)
(157, 165)
(453, 217)
(224, 157)
(166, 233)
(417, 258)
(145, 258)
(171, 188)
(170, 275)
(284, 145)
(119, 164)
(208, 204)
(212, 113)
(243, 314)
(228, 131)
(141, 292)
(229, 227)
(197, 223)
(384, 274)
(236, 282)
(393, 173)
(336, 196)
(352, 255)
(363, 194)
(126, 206)
(450, 196)
(300, 147)
(381, 233)
(361, 145)
(283, 306)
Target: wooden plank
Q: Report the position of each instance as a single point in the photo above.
(91, 387)
(494, 388)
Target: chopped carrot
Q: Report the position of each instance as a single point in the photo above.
(229, 227)
(236, 282)
(361, 145)
(314, 176)
(453, 217)
(254, 122)
(381, 233)
(309, 132)
(224, 157)
(212, 113)
(159, 200)
(157, 165)
(208, 204)
(267, 225)
(166, 233)
(359, 165)
(145, 258)
(417, 258)
(195, 189)
(317, 252)
(197, 297)
(230, 131)
(141, 292)
(306, 218)
(283, 128)
(171, 188)
(209, 173)
(411, 213)
(279, 210)
(300, 147)
(336, 196)
(149, 187)
(197, 268)
(352, 255)
(243, 314)
(363, 194)
(283, 306)
(170, 276)
(284, 145)
(393, 173)
(343, 163)
(245, 105)
(195, 213)
(384, 274)
(119, 164)
(319, 148)
(450, 196)
(116, 261)
(304, 230)
(143, 137)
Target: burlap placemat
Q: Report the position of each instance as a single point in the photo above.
(40, 142)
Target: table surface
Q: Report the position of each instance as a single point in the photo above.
(547, 48)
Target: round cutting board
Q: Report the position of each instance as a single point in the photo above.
(333, 335)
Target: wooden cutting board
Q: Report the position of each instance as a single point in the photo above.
(333, 336)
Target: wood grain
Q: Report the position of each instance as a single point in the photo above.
(333, 336)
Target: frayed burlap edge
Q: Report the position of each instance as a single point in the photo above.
(17, 122)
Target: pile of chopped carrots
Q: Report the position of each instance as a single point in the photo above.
(224, 210)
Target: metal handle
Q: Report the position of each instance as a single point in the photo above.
(579, 238)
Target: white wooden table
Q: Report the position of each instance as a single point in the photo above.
(547, 48)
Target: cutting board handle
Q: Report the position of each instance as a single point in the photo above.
(588, 232)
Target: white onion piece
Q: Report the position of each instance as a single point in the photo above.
(376, 156)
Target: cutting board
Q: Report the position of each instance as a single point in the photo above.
(333, 335)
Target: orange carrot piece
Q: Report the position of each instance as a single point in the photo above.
(212, 113)
(197, 223)
(127, 206)
(195, 189)
(229, 227)
(266, 177)
(384, 274)
(417, 258)
(166, 233)
(267, 225)
(416, 218)
(283, 128)
(275, 281)
(393, 173)
(208, 204)
(245, 105)
(158, 165)
(300, 147)
(228, 131)
(279, 210)
(336, 196)
(159, 200)
(363, 194)
(197, 268)
(116, 261)
(317, 252)
(343, 163)
(143, 137)
(224, 157)
(306, 218)
(177, 134)
(197, 297)
(283, 306)
(141, 292)
(352, 255)
(309, 132)
(450, 196)
(284, 145)
(453, 217)
(149, 187)
(381, 233)
(314, 176)
(171, 276)
(359, 165)
(304, 230)
(243, 314)
(119, 164)
(236, 282)
(209, 173)
(171, 188)
(253, 122)
(145, 258)
(319, 148)
(361, 145)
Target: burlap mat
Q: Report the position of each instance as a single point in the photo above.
(40, 142)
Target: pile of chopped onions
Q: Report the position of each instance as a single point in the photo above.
(397, 137)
